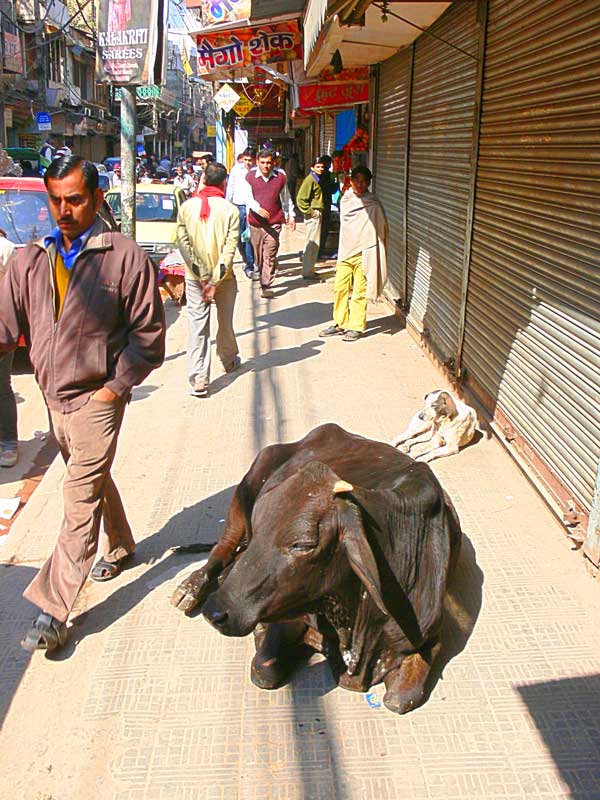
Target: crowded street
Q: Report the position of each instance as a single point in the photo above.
(147, 703)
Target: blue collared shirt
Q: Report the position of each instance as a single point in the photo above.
(68, 256)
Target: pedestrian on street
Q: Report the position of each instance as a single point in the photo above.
(237, 189)
(183, 181)
(9, 440)
(101, 334)
(269, 205)
(47, 151)
(310, 202)
(361, 270)
(292, 172)
(328, 187)
(207, 235)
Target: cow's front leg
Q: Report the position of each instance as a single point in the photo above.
(279, 649)
(405, 686)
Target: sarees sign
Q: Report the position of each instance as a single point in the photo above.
(243, 47)
(131, 41)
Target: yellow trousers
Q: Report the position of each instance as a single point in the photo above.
(350, 295)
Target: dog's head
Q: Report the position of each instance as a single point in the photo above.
(438, 405)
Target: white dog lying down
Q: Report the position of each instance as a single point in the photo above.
(445, 421)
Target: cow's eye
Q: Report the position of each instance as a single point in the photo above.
(301, 547)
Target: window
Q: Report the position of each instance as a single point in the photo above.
(80, 78)
(56, 61)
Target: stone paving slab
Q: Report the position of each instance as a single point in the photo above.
(147, 704)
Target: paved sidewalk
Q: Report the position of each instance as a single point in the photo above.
(147, 704)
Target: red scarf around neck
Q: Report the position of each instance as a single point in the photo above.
(204, 194)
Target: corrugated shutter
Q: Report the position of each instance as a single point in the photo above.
(393, 100)
(439, 173)
(532, 331)
(327, 134)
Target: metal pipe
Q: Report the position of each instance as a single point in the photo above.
(128, 149)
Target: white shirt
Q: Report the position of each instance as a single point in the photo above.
(284, 195)
(185, 182)
(236, 185)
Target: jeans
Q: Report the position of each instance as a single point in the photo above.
(8, 405)
(245, 248)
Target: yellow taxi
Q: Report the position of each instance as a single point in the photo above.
(156, 205)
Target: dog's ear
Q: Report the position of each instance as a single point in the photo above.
(446, 403)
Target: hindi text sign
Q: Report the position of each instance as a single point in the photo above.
(246, 46)
(243, 106)
(332, 95)
(226, 97)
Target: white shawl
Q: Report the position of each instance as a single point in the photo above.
(363, 229)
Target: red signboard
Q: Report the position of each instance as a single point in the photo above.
(331, 95)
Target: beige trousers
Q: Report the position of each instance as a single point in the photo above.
(312, 228)
(88, 441)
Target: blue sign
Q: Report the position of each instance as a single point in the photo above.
(43, 117)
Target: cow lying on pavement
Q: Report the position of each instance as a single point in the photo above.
(341, 544)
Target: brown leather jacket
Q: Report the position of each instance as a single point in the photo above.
(111, 331)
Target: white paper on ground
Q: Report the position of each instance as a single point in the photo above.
(8, 506)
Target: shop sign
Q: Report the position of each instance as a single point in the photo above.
(243, 47)
(8, 117)
(216, 12)
(243, 106)
(44, 121)
(226, 97)
(13, 58)
(332, 95)
(211, 131)
(131, 41)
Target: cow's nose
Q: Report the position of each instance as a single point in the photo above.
(216, 618)
(421, 415)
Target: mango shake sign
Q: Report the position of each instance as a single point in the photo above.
(131, 41)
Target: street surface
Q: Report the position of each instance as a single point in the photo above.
(147, 704)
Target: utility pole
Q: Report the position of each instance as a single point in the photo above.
(41, 54)
(128, 151)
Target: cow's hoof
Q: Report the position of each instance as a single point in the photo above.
(353, 683)
(191, 592)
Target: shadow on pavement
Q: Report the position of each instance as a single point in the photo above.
(299, 317)
(16, 616)
(566, 713)
(198, 523)
(461, 611)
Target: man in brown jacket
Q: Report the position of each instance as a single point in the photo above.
(87, 301)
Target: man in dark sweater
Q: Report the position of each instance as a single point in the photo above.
(269, 204)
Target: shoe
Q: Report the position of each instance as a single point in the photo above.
(8, 458)
(249, 272)
(46, 633)
(332, 330)
(233, 365)
(104, 570)
(256, 275)
(267, 294)
(200, 390)
(351, 336)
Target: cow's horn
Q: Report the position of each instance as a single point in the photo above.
(342, 486)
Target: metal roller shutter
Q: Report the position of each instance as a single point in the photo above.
(393, 98)
(327, 135)
(439, 174)
(532, 328)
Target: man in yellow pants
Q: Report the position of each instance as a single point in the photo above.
(361, 267)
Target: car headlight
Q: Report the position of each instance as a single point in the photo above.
(164, 249)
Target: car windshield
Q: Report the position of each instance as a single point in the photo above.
(24, 215)
(150, 206)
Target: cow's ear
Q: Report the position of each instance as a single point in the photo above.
(361, 556)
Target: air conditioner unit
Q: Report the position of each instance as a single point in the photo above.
(102, 113)
(87, 112)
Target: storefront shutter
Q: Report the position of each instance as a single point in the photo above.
(532, 329)
(439, 174)
(393, 99)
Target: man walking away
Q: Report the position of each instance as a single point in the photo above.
(9, 453)
(310, 203)
(236, 194)
(87, 300)
(361, 271)
(269, 204)
(207, 235)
